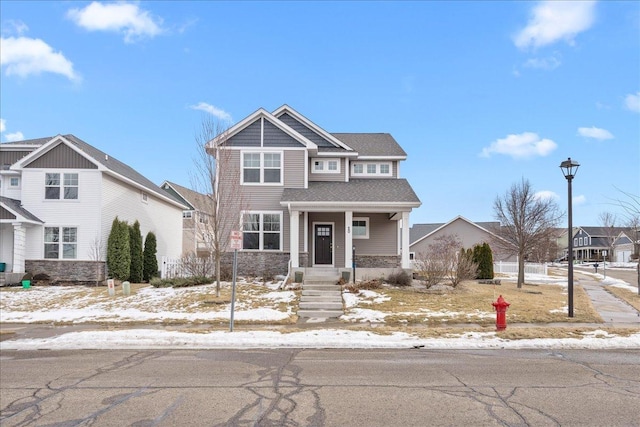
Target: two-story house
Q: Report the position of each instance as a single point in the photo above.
(196, 233)
(590, 243)
(58, 199)
(314, 199)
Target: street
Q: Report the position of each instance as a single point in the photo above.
(296, 387)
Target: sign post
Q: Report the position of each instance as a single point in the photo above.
(604, 263)
(236, 243)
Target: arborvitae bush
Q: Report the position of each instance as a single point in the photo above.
(118, 252)
(150, 268)
(483, 256)
(135, 246)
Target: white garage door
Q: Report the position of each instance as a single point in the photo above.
(623, 256)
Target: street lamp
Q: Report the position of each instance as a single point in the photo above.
(569, 169)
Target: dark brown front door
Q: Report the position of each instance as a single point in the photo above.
(324, 245)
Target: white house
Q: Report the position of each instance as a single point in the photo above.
(58, 199)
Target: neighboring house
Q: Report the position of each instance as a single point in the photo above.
(623, 246)
(589, 243)
(314, 198)
(59, 197)
(470, 234)
(195, 233)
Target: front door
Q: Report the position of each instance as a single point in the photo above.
(324, 245)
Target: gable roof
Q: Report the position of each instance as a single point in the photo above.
(602, 231)
(103, 161)
(193, 199)
(420, 232)
(15, 207)
(373, 145)
(285, 109)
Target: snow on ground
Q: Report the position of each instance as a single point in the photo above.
(154, 305)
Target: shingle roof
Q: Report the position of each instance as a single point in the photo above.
(197, 200)
(417, 231)
(372, 144)
(603, 231)
(356, 190)
(16, 206)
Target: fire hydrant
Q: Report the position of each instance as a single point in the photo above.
(501, 313)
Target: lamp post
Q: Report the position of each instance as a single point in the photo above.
(569, 169)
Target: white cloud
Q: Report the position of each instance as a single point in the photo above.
(123, 17)
(15, 136)
(524, 145)
(23, 56)
(13, 27)
(545, 195)
(3, 125)
(595, 133)
(579, 200)
(214, 111)
(632, 102)
(548, 63)
(552, 21)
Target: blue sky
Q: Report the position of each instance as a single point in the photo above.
(479, 94)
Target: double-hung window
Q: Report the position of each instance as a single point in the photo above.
(262, 168)
(61, 186)
(262, 231)
(60, 242)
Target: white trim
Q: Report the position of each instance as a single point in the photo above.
(348, 239)
(260, 231)
(333, 253)
(294, 238)
(405, 262)
(326, 135)
(366, 227)
(306, 232)
(325, 166)
(262, 168)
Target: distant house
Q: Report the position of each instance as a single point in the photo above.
(195, 233)
(58, 199)
(470, 234)
(623, 246)
(590, 243)
(314, 199)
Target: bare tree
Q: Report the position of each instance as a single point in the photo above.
(218, 177)
(527, 222)
(441, 261)
(631, 205)
(608, 222)
(97, 254)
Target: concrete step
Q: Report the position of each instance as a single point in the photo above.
(326, 305)
(322, 288)
(321, 292)
(318, 298)
(324, 314)
(321, 279)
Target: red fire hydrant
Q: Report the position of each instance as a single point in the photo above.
(501, 313)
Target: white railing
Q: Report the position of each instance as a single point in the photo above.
(185, 267)
(512, 267)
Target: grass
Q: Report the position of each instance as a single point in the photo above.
(631, 297)
(471, 303)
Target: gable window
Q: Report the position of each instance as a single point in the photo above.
(262, 231)
(326, 166)
(14, 182)
(262, 168)
(61, 186)
(187, 214)
(360, 227)
(60, 242)
(372, 169)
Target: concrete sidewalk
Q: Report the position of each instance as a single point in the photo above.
(614, 311)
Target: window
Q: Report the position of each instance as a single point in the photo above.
(360, 228)
(187, 214)
(580, 242)
(372, 169)
(262, 168)
(14, 182)
(262, 230)
(145, 197)
(575, 241)
(54, 186)
(60, 241)
(326, 166)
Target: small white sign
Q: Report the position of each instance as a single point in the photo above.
(236, 240)
(604, 253)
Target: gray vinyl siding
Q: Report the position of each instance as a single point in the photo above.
(247, 137)
(274, 137)
(62, 157)
(5, 214)
(327, 176)
(383, 235)
(10, 157)
(294, 168)
(305, 131)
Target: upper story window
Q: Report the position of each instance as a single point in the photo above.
(61, 186)
(60, 242)
(14, 182)
(261, 168)
(326, 166)
(144, 196)
(371, 169)
(187, 214)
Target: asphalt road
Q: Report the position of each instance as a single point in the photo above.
(295, 387)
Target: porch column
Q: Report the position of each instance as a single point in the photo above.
(294, 233)
(348, 239)
(19, 239)
(406, 263)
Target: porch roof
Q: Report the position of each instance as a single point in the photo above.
(374, 191)
(15, 206)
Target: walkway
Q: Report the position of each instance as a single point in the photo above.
(614, 311)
